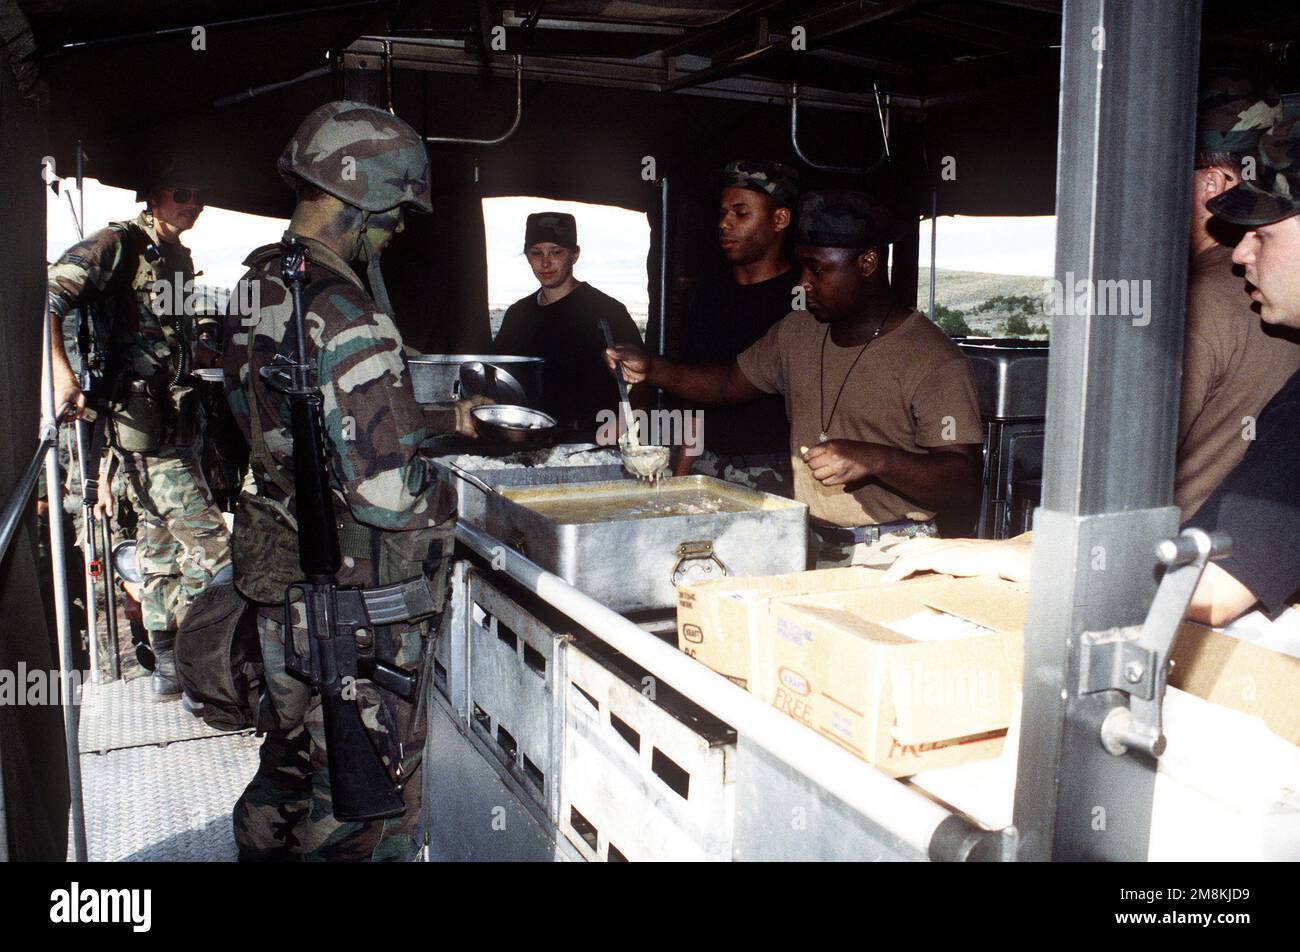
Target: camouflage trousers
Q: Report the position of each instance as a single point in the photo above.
(767, 473)
(285, 814)
(182, 538)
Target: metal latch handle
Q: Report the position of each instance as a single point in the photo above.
(690, 552)
(1136, 660)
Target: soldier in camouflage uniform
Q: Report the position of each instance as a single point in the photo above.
(133, 274)
(355, 169)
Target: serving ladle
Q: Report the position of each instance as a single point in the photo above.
(643, 462)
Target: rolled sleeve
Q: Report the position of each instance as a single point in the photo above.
(763, 362)
(945, 406)
(83, 270)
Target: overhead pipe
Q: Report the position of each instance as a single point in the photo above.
(822, 167)
(252, 91)
(143, 35)
(519, 113)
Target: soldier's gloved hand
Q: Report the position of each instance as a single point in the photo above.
(465, 423)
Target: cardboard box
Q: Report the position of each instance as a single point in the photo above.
(1239, 675)
(718, 622)
(901, 702)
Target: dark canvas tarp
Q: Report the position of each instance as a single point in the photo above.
(31, 737)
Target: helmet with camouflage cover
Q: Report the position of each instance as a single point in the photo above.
(1270, 191)
(361, 155)
(1231, 116)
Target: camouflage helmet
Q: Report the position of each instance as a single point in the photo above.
(389, 164)
(1270, 191)
(1231, 116)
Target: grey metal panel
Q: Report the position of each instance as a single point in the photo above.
(595, 557)
(782, 815)
(471, 812)
(1127, 95)
(1010, 377)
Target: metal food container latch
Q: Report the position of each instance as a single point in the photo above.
(696, 562)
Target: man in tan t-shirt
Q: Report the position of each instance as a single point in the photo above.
(884, 417)
(1233, 363)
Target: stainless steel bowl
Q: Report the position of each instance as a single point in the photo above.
(210, 374)
(512, 424)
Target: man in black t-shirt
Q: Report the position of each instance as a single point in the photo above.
(561, 324)
(748, 443)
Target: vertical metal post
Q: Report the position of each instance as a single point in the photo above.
(54, 495)
(110, 598)
(1124, 161)
(660, 398)
(84, 440)
(934, 242)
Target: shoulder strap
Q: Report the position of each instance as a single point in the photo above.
(256, 436)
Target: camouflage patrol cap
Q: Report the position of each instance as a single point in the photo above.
(777, 181)
(559, 227)
(1231, 116)
(1274, 192)
(842, 219)
(360, 154)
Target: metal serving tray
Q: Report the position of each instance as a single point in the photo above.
(1011, 377)
(472, 501)
(629, 543)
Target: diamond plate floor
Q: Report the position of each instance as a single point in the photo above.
(158, 784)
(120, 714)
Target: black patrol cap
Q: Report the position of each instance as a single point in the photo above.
(558, 227)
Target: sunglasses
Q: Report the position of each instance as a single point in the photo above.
(183, 196)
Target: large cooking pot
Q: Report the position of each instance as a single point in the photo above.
(444, 378)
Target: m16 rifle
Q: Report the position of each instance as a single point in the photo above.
(338, 644)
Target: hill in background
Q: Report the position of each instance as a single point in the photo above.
(990, 305)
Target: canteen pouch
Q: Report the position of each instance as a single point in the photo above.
(136, 420)
(264, 549)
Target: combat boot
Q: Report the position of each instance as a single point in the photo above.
(164, 682)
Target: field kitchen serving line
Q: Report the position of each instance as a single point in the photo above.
(903, 812)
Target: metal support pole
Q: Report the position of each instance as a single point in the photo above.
(1128, 84)
(54, 495)
(663, 275)
(110, 598)
(90, 556)
(934, 243)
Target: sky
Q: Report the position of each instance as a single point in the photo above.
(615, 241)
